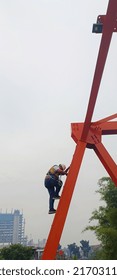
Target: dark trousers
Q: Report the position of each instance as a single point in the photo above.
(53, 186)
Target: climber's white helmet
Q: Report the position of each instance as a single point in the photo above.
(62, 166)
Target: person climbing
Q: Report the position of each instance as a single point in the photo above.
(53, 184)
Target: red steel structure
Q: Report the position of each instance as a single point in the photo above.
(87, 135)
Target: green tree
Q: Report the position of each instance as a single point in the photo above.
(85, 247)
(106, 217)
(74, 251)
(16, 252)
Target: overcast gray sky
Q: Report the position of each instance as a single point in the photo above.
(48, 55)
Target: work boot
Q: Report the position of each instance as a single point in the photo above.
(56, 197)
(52, 211)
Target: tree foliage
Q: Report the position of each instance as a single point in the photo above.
(85, 247)
(74, 250)
(106, 217)
(16, 252)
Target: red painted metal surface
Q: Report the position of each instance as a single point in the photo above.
(107, 161)
(106, 119)
(110, 21)
(89, 135)
(96, 130)
(94, 138)
(102, 18)
(63, 206)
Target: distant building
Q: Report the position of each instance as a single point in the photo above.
(41, 243)
(12, 228)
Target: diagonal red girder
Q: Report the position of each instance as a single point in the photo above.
(107, 161)
(62, 210)
(95, 132)
(105, 119)
(109, 128)
(94, 138)
(110, 20)
(63, 206)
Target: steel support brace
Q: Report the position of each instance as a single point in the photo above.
(87, 135)
(102, 56)
(107, 161)
(63, 206)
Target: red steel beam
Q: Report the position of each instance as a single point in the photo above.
(101, 19)
(96, 130)
(109, 128)
(107, 161)
(63, 206)
(62, 210)
(105, 119)
(110, 20)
